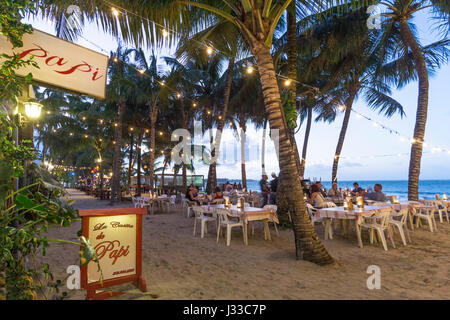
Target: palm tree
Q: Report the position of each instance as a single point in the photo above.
(230, 43)
(399, 35)
(149, 90)
(118, 89)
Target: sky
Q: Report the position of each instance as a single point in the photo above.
(370, 152)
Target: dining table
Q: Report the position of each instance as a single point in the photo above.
(356, 215)
(150, 201)
(248, 214)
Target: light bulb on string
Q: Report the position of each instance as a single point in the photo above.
(287, 82)
(209, 50)
(250, 69)
(115, 12)
(341, 108)
(165, 33)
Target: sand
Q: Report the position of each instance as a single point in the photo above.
(177, 265)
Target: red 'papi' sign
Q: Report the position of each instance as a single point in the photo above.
(61, 63)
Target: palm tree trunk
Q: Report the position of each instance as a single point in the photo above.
(116, 192)
(138, 192)
(422, 110)
(184, 176)
(212, 172)
(292, 70)
(337, 155)
(308, 245)
(130, 163)
(153, 116)
(162, 174)
(263, 149)
(305, 142)
(243, 139)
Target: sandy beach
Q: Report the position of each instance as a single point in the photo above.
(177, 265)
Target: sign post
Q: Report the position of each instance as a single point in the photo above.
(116, 236)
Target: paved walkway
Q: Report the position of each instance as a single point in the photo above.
(83, 201)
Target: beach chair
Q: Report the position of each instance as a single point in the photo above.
(378, 222)
(199, 216)
(274, 208)
(224, 221)
(400, 224)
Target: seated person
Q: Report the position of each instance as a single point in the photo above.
(217, 194)
(333, 192)
(377, 194)
(320, 186)
(192, 193)
(357, 189)
(317, 199)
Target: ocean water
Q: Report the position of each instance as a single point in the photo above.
(427, 188)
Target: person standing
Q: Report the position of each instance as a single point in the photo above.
(273, 189)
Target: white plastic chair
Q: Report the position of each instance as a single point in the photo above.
(425, 213)
(312, 215)
(274, 208)
(378, 222)
(437, 204)
(172, 202)
(400, 224)
(189, 206)
(199, 216)
(137, 202)
(224, 221)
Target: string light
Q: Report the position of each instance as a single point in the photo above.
(287, 82)
(341, 108)
(209, 50)
(115, 12)
(250, 69)
(165, 33)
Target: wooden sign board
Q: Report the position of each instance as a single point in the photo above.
(116, 235)
(62, 64)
